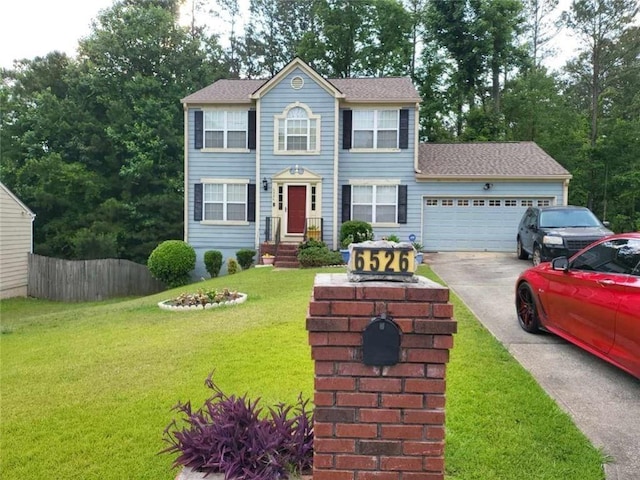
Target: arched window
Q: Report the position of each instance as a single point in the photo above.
(297, 130)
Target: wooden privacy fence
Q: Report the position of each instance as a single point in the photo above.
(88, 280)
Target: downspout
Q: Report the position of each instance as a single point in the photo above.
(185, 109)
(258, 177)
(416, 139)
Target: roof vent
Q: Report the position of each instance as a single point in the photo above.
(297, 83)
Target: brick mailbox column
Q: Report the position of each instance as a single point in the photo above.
(371, 422)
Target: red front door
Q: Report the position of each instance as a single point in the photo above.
(296, 208)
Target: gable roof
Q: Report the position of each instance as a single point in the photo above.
(351, 90)
(17, 200)
(487, 160)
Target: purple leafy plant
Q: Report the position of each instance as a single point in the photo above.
(230, 435)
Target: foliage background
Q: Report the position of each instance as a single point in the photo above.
(93, 144)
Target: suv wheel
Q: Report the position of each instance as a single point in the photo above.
(537, 256)
(522, 255)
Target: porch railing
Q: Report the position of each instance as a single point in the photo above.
(313, 229)
(272, 230)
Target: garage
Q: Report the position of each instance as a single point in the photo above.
(474, 223)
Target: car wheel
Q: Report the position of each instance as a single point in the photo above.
(537, 256)
(522, 254)
(526, 309)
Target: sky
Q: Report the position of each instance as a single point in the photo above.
(30, 28)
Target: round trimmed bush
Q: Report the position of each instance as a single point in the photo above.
(213, 262)
(171, 261)
(355, 231)
(245, 257)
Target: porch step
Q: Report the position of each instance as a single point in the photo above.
(287, 256)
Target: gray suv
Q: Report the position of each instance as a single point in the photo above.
(549, 232)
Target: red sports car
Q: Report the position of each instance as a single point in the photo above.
(591, 299)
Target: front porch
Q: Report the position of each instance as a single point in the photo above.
(285, 247)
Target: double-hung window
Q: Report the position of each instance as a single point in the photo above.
(375, 203)
(225, 129)
(375, 128)
(225, 202)
(297, 130)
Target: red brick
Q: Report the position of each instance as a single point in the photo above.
(321, 429)
(323, 399)
(378, 447)
(332, 353)
(408, 309)
(432, 449)
(414, 340)
(328, 324)
(334, 293)
(318, 308)
(436, 370)
(435, 432)
(345, 338)
(380, 415)
(335, 383)
(334, 445)
(405, 325)
(423, 417)
(424, 385)
(324, 368)
(435, 401)
(357, 369)
(401, 464)
(335, 415)
(356, 462)
(333, 474)
(434, 294)
(356, 430)
(434, 464)
(378, 476)
(318, 338)
(427, 355)
(422, 476)
(368, 292)
(441, 327)
(323, 460)
(357, 399)
(380, 385)
(404, 370)
(402, 432)
(358, 324)
(442, 310)
(402, 401)
(360, 309)
(443, 341)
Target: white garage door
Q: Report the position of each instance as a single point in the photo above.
(474, 224)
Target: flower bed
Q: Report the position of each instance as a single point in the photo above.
(203, 299)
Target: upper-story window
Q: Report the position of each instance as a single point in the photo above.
(297, 130)
(375, 129)
(225, 129)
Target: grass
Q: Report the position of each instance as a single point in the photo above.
(86, 389)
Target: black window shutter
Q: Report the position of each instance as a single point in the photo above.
(346, 203)
(251, 202)
(198, 129)
(402, 204)
(197, 202)
(404, 128)
(346, 129)
(252, 130)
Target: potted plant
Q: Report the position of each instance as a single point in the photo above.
(268, 259)
(419, 256)
(233, 438)
(353, 231)
(313, 232)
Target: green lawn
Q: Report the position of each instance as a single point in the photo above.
(86, 389)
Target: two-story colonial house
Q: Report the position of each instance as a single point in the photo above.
(272, 160)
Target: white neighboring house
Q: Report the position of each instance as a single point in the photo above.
(16, 243)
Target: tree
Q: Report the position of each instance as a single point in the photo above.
(539, 27)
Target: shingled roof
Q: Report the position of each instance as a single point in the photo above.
(487, 159)
(357, 90)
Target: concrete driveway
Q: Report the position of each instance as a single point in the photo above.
(603, 401)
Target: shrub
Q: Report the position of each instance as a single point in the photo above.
(171, 261)
(355, 231)
(316, 254)
(232, 266)
(245, 257)
(213, 262)
(231, 435)
(393, 238)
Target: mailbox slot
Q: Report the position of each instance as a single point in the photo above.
(381, 342)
